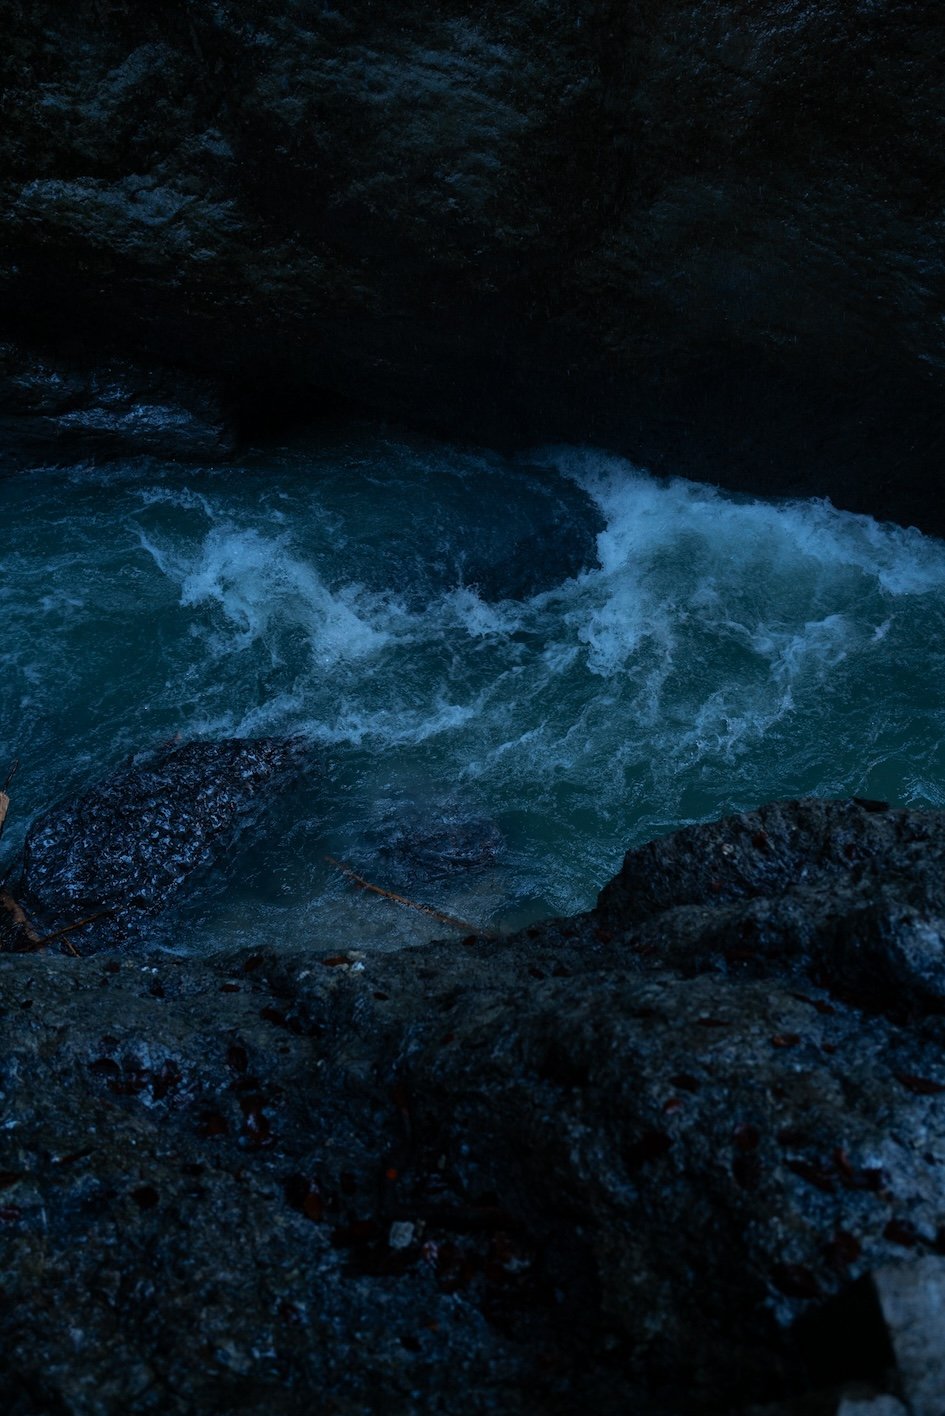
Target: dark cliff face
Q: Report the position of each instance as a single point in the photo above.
(708, 234)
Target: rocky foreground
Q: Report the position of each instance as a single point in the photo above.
(682, 1154)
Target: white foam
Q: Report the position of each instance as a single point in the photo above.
(257, 581)
(644, 513)
(476, 617)
(387, 728)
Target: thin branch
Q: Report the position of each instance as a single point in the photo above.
(68, 929)
(36, 942)
(363, 884)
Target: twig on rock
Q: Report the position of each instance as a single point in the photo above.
(35, 943)
(68, 929)
(363, 884)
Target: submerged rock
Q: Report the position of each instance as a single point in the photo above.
(127, 845)
(441, 847)
(555, 542)
(627, 1161)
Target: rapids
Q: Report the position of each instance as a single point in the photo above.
(544, 662)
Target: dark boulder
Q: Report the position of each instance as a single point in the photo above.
(504, 528)
(555, 541)
(621, 1161)
(128, 844)
(707, 234)
(851, 895)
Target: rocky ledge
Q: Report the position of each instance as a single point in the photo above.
(682, 1154)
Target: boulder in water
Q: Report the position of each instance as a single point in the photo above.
(127, 845)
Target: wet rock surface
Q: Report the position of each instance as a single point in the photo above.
(556, 542)
(541, 540)
(626, 1161)
(849, 896)
(707, 234)
(128, 844)
(55, 410)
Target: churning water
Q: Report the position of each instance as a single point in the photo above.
(545, 662)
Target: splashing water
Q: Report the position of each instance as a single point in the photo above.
(422, 615)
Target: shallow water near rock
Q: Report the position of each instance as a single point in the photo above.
(512, 671)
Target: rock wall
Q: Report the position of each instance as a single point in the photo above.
(706, 234)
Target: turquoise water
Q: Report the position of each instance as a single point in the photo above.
(722, 652)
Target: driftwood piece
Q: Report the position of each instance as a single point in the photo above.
(19, 925)
(4, 798)
(34, 943)
(18, 917)
(23, 933)
(439, 915)
(29, 941)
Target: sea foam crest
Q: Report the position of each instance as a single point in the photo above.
(260, 585)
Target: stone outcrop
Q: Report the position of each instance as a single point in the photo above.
(707, 234)
(643, 1159)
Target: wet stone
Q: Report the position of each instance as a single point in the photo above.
(128, 845)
